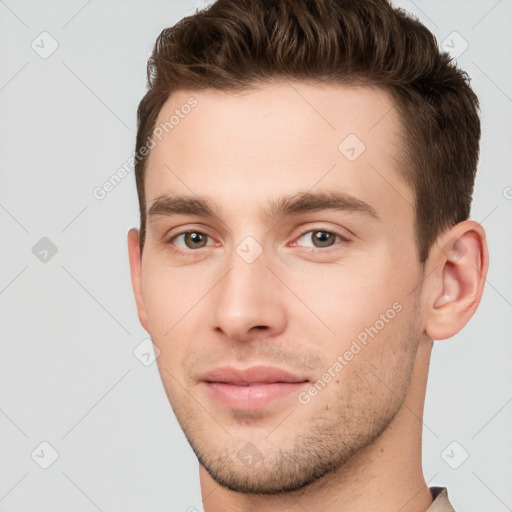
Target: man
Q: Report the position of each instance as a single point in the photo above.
(305, 173)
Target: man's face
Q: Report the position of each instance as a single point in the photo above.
(316, 307)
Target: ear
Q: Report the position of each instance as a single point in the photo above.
(460, 261)
(136, 276)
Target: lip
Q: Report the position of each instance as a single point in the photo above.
(251, 388)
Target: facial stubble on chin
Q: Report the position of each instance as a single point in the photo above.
(321, 451)
(323, 441)
(324, 447)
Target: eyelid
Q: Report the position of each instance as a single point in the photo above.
(186, 228)
(332, 231)
(169, 240)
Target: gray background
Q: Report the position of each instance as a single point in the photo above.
(68, 374)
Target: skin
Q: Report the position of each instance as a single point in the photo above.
(356, 445)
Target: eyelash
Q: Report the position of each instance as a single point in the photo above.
(323, 249)
(310, 249)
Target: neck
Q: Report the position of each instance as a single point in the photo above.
(385, 475)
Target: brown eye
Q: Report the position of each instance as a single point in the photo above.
(195, 240)
(191, 240)
(323, 238)
(319, 238)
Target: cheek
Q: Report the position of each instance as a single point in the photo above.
(375, 371)
(173, 299)
(169, 292)
(160, 300)
(347, 297)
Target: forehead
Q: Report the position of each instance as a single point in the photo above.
(280, 138)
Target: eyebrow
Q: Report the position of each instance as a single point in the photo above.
(302, 202)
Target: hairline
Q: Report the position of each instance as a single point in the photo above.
(402, 154)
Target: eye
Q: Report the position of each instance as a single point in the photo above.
(320, 238)
(190, 240)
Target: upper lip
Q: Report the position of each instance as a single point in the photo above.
(252, 375)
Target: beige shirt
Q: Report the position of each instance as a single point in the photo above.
(441, 502)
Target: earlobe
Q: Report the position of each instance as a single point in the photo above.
(462, 257)
(136, 276)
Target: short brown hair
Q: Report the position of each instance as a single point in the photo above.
(235, 44)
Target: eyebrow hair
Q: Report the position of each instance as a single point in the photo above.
(302, 202)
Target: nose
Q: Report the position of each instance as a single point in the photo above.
(248, 300)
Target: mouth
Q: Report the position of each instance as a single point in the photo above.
(251, 388)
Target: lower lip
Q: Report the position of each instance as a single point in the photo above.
(252, 397)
